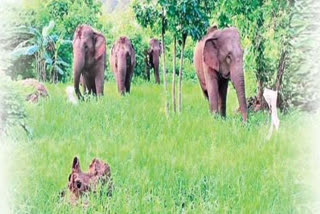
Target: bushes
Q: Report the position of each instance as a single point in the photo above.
(12, 111)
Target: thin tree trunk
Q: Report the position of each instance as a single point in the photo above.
(174, 75)
(281, 67)
(37, 66)
(259, 92)
(260, 101)
(180, 74)
(44, 71)
(42, 74)
(146, 65)
(164, 66)
(41, 67)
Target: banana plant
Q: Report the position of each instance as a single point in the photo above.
(44, 46)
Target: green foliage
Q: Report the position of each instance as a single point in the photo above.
(148, 14)
(302, 78)
(187, 17)
(12, 109)
(44, 46)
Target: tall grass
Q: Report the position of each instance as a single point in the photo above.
(192, 163)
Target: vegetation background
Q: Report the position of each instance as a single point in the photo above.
(189, 162)
(273, 37)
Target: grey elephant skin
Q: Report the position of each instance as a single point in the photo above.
(154, 54)
(122, 62)
(218, 58)
(89, 60)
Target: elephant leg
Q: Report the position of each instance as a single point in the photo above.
(83, 84)
(204, 91)
(99, 85)
(211, 77)
(223, 89)
(94, 90)
(99, 80)
(128, 80)
(156, 75)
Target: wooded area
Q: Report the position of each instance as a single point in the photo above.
(40, 35)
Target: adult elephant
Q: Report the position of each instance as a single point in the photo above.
(154, 54)
(123, 61)
(89, 60)
(218, 57)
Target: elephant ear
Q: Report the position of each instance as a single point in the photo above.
(210, 54)
(100, 45)
(76, 165)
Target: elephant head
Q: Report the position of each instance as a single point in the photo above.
(154, 54)
(88, 47)
(81, 182)
(222, 52)
(122, 60)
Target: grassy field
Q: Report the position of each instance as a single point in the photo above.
(188, 163)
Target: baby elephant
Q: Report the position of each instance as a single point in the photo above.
(80, 182)
(122, 62)
(154, 54)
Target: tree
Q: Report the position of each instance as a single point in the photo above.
(174, 63)
(153, 14)
(186, 18)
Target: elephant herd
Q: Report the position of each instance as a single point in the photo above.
(218, 58)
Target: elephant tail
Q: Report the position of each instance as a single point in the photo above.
(70, 93)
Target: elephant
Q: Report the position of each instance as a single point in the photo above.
(80, 183)
(218, 57)
(122, 62)
(154, 54)
(89, 60)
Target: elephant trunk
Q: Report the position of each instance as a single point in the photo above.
(123, 63)
(155, 62)
(78, 64)
(237, 79)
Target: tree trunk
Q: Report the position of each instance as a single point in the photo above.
(259, 91)
(37, 66)
(43, 70)
(259, 101)
(146, 65)
(164, 65)
(174, 75)
(42, 66)
(281, 67)
(184, 36)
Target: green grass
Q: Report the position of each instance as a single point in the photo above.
(191, 163)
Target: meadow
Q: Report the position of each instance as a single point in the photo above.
(191, 162)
